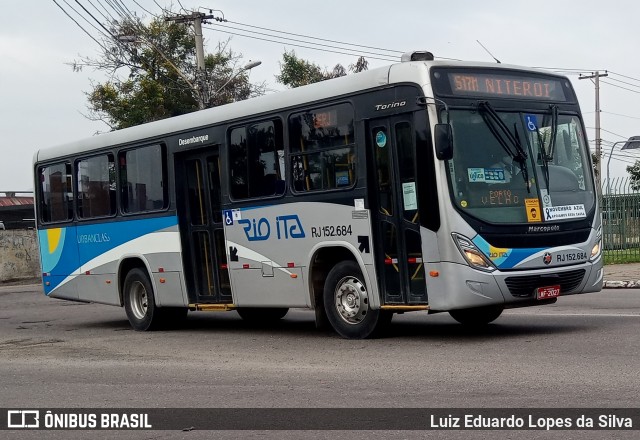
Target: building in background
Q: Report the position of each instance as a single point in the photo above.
(16, 210)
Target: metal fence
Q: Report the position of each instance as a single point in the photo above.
(620, 221)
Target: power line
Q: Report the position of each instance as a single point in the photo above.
(610, 132)
(624, 82)
(299, 41)
(618, 114)
(113, 8)
(393, 52)
(96, 20)
(84, 18)
(99, 11)
(122, 12)
(296, 45)
(564, 69)
(625, 76)
(315, 38)
(620, 87)
(80, 26)
(161, 8)
(145, 9)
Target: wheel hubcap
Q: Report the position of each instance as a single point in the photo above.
(351, 300)
(139, 300)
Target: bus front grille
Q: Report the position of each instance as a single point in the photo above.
(525, 286)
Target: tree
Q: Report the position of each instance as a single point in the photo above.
(634, 172)
(152, 74)
(296, 72)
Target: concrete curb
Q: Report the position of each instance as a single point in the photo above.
(611, 284)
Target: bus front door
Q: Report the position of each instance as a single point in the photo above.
(393, 201)
(204, 255)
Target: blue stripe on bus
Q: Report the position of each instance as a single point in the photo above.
(64, 250)
(504, 258)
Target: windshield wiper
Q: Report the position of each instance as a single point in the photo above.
(554, 132)
(510, 142)
(547, 153)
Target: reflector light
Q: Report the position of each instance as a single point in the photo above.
(245, 266)
(291, 265)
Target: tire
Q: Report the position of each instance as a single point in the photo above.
(262, 314)
(347, 304)
(477, 316)
(139, 301)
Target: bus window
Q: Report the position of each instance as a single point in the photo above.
(56, 193)
(143, 176)
(383, 171)
(96, 181)
(255, 163)
(322, 148)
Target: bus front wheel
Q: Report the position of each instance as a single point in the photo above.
(139, 302)
(477, 316)
(347, 303)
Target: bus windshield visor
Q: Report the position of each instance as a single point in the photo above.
(520, 167)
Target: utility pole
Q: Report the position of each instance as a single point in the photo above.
(196, 18)
(596, 76)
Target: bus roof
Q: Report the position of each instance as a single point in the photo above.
(415, 71)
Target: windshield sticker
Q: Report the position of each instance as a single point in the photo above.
(533, 210)
(486, 175)
(463, 203)
(476, 174)
(409, 196)
(546, 198)
(494, 175)
(564, 212)
(531, 121)
(381, 139)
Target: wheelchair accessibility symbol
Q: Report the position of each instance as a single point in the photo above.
(231, 216)
(532, 122)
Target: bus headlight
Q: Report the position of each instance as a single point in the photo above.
(472, 254)
(597, 248)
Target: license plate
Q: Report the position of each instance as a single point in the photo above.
(548, 292)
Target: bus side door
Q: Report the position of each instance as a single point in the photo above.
(200, 216)
(393, 200)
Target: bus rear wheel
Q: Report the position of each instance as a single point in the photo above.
(477, 316)
(140, 304)
(262, 314)
(347, 305)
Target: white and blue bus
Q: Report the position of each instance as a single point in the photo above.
(425, 185)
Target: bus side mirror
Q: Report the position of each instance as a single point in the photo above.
(444, 141)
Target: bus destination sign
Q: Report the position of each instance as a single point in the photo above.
(506, 86)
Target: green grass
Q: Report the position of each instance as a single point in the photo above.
(622, 256)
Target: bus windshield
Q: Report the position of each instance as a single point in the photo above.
(518, 166)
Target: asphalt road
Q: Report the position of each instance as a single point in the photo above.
(583, 351)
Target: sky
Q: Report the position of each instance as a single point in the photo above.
(44, 101)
